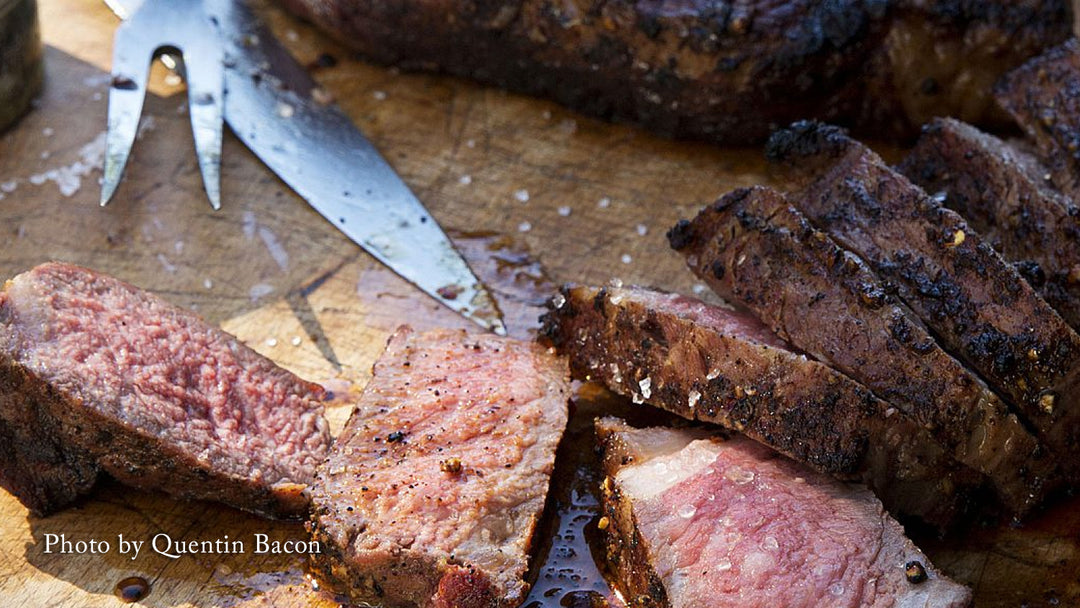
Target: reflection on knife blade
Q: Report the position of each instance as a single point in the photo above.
(315, 149)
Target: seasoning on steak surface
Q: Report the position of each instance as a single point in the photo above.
(97, 376)
(717, 365)
(430, 495)
(700, 521)
(1043, 95)
(717, 70)
(976, 304)
(1003, 195)
(756, 250)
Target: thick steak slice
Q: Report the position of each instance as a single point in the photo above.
(700, 521)
(1043, 96)
(431, 494)
(97, 376)
(707, 363)
(756, 250)
(994, 186)
(975, 303)
(722, 71)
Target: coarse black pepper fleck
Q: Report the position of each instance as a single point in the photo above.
(915, 572)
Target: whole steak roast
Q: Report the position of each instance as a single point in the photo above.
(717, 70)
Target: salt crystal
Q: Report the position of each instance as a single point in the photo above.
(558, 300)
(692, 398)
(207, 283)
(284, 110)
(173, 80)
(642, 229)
(379, 95)
(465, 180)
(739, 475)
(636, 398)
(687, 511)
(646, 387)
(889, 412)
(271, 342)
(524, 227)
(616, 283)
(9, 186)
(470, 143)
(45, 155)
(616, 373)
(723, 565)
(48, 132)
(522, 195)
(836, 589)
(770, 543)
(292, 36)
(564, 211)
(698, 288)
(626, 259)
(295, 341)
(604, 203)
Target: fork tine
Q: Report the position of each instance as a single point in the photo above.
(167, 24)
(130, 71)
(206, 107)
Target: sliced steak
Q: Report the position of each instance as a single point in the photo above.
(431, 494)
(991, 184)
(754, 249)
(722, 71)
(97, 376)
(975, 303)
(707, 363)
(1043, 96)
(699, 521)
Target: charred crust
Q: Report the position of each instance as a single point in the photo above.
(681, 235)
(805, 138)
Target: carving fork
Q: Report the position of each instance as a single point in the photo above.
(180, 28)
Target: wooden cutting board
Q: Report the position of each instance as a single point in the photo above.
(590, 200)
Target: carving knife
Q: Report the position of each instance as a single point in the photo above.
(277, 110)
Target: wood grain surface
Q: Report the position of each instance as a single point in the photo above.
(269, 269)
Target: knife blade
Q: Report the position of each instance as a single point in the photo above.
(274, 107)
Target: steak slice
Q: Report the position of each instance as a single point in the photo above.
(707, 363)
(722, 71)
(700, 521)
(431, 494)
(1043, 96)
(992, 185)
(754, 249)
(975, 303)
(97, 376)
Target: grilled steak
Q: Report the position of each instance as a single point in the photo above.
(992, 185)
(97, 376)
(975, 303)
(722, 71)
(755, 250)
(706, 522)
(431, 494)
(1043, 96)
(721, 366)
